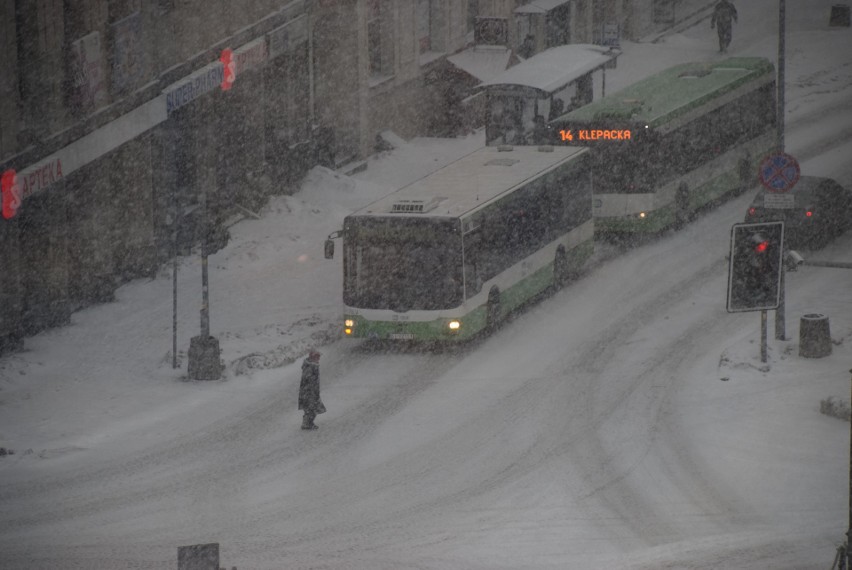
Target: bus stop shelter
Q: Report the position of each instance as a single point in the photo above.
(526, 96)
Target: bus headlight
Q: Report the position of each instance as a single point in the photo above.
(642, 215)
(454, 325)
(349, 323)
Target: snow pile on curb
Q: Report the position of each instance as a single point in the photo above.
(285, 354)
(836, 407)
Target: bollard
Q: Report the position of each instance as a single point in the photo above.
(204, 362)
(199, 557)
(839, 15)
(814, 336)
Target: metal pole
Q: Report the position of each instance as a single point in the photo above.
(205, 296)
(172, 138)
(780, 319)
(780, 312)
(174, 273)
(837, 264)
(205, 180)
(849, 531)
(203, 362)
(763, 336)
(780, 107)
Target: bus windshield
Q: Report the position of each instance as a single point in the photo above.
(402, 263)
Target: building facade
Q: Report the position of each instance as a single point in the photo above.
(121, 120)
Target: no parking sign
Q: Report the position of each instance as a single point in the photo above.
(779, 172)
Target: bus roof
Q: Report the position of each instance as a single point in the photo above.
(556, 67)
(660, 98)
(471, 181)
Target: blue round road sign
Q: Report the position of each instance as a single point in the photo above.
(779, 172)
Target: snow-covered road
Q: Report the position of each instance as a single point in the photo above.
(571, 433)
(625, 421)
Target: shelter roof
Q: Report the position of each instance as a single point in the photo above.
(556, 67)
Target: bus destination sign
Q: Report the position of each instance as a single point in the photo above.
(580, 136)
(596, 134)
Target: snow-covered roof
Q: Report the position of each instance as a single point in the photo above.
(555, 67)
(540, 6)
(482, 62)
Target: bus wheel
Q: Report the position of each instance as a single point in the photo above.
(681, 206)
(492, 315)
(561, 272)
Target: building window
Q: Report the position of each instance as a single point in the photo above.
(664, 11)
(558, 26)
(431, 21)
(50, 30)
(472, 13)
(424, 25)
(297, 92)
(165, 5)
(378, 39)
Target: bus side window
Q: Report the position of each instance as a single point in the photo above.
(472, 280)
(585, 92)
(474, 262)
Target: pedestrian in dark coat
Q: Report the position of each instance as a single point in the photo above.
(309, 390)
(723, 15)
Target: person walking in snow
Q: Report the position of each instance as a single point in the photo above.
(309, 390)
(723, 15)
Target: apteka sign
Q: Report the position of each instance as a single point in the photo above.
(17, 186)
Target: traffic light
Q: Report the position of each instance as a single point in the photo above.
(756, 262)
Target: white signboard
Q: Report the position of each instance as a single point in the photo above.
(779, 201)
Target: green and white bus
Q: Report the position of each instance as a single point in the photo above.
(451, 254)
(674, 142)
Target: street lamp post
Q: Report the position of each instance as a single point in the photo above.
(203, 354)
(174, 273)
(205, 281)
(780, 313)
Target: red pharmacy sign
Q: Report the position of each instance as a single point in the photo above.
(11, 192)
(229, 71)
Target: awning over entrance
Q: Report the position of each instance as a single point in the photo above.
(540, 6)
(482, 62)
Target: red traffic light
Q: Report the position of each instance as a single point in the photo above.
(754, 271)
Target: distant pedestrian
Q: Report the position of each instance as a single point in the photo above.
(723, 15)
(309, 390)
